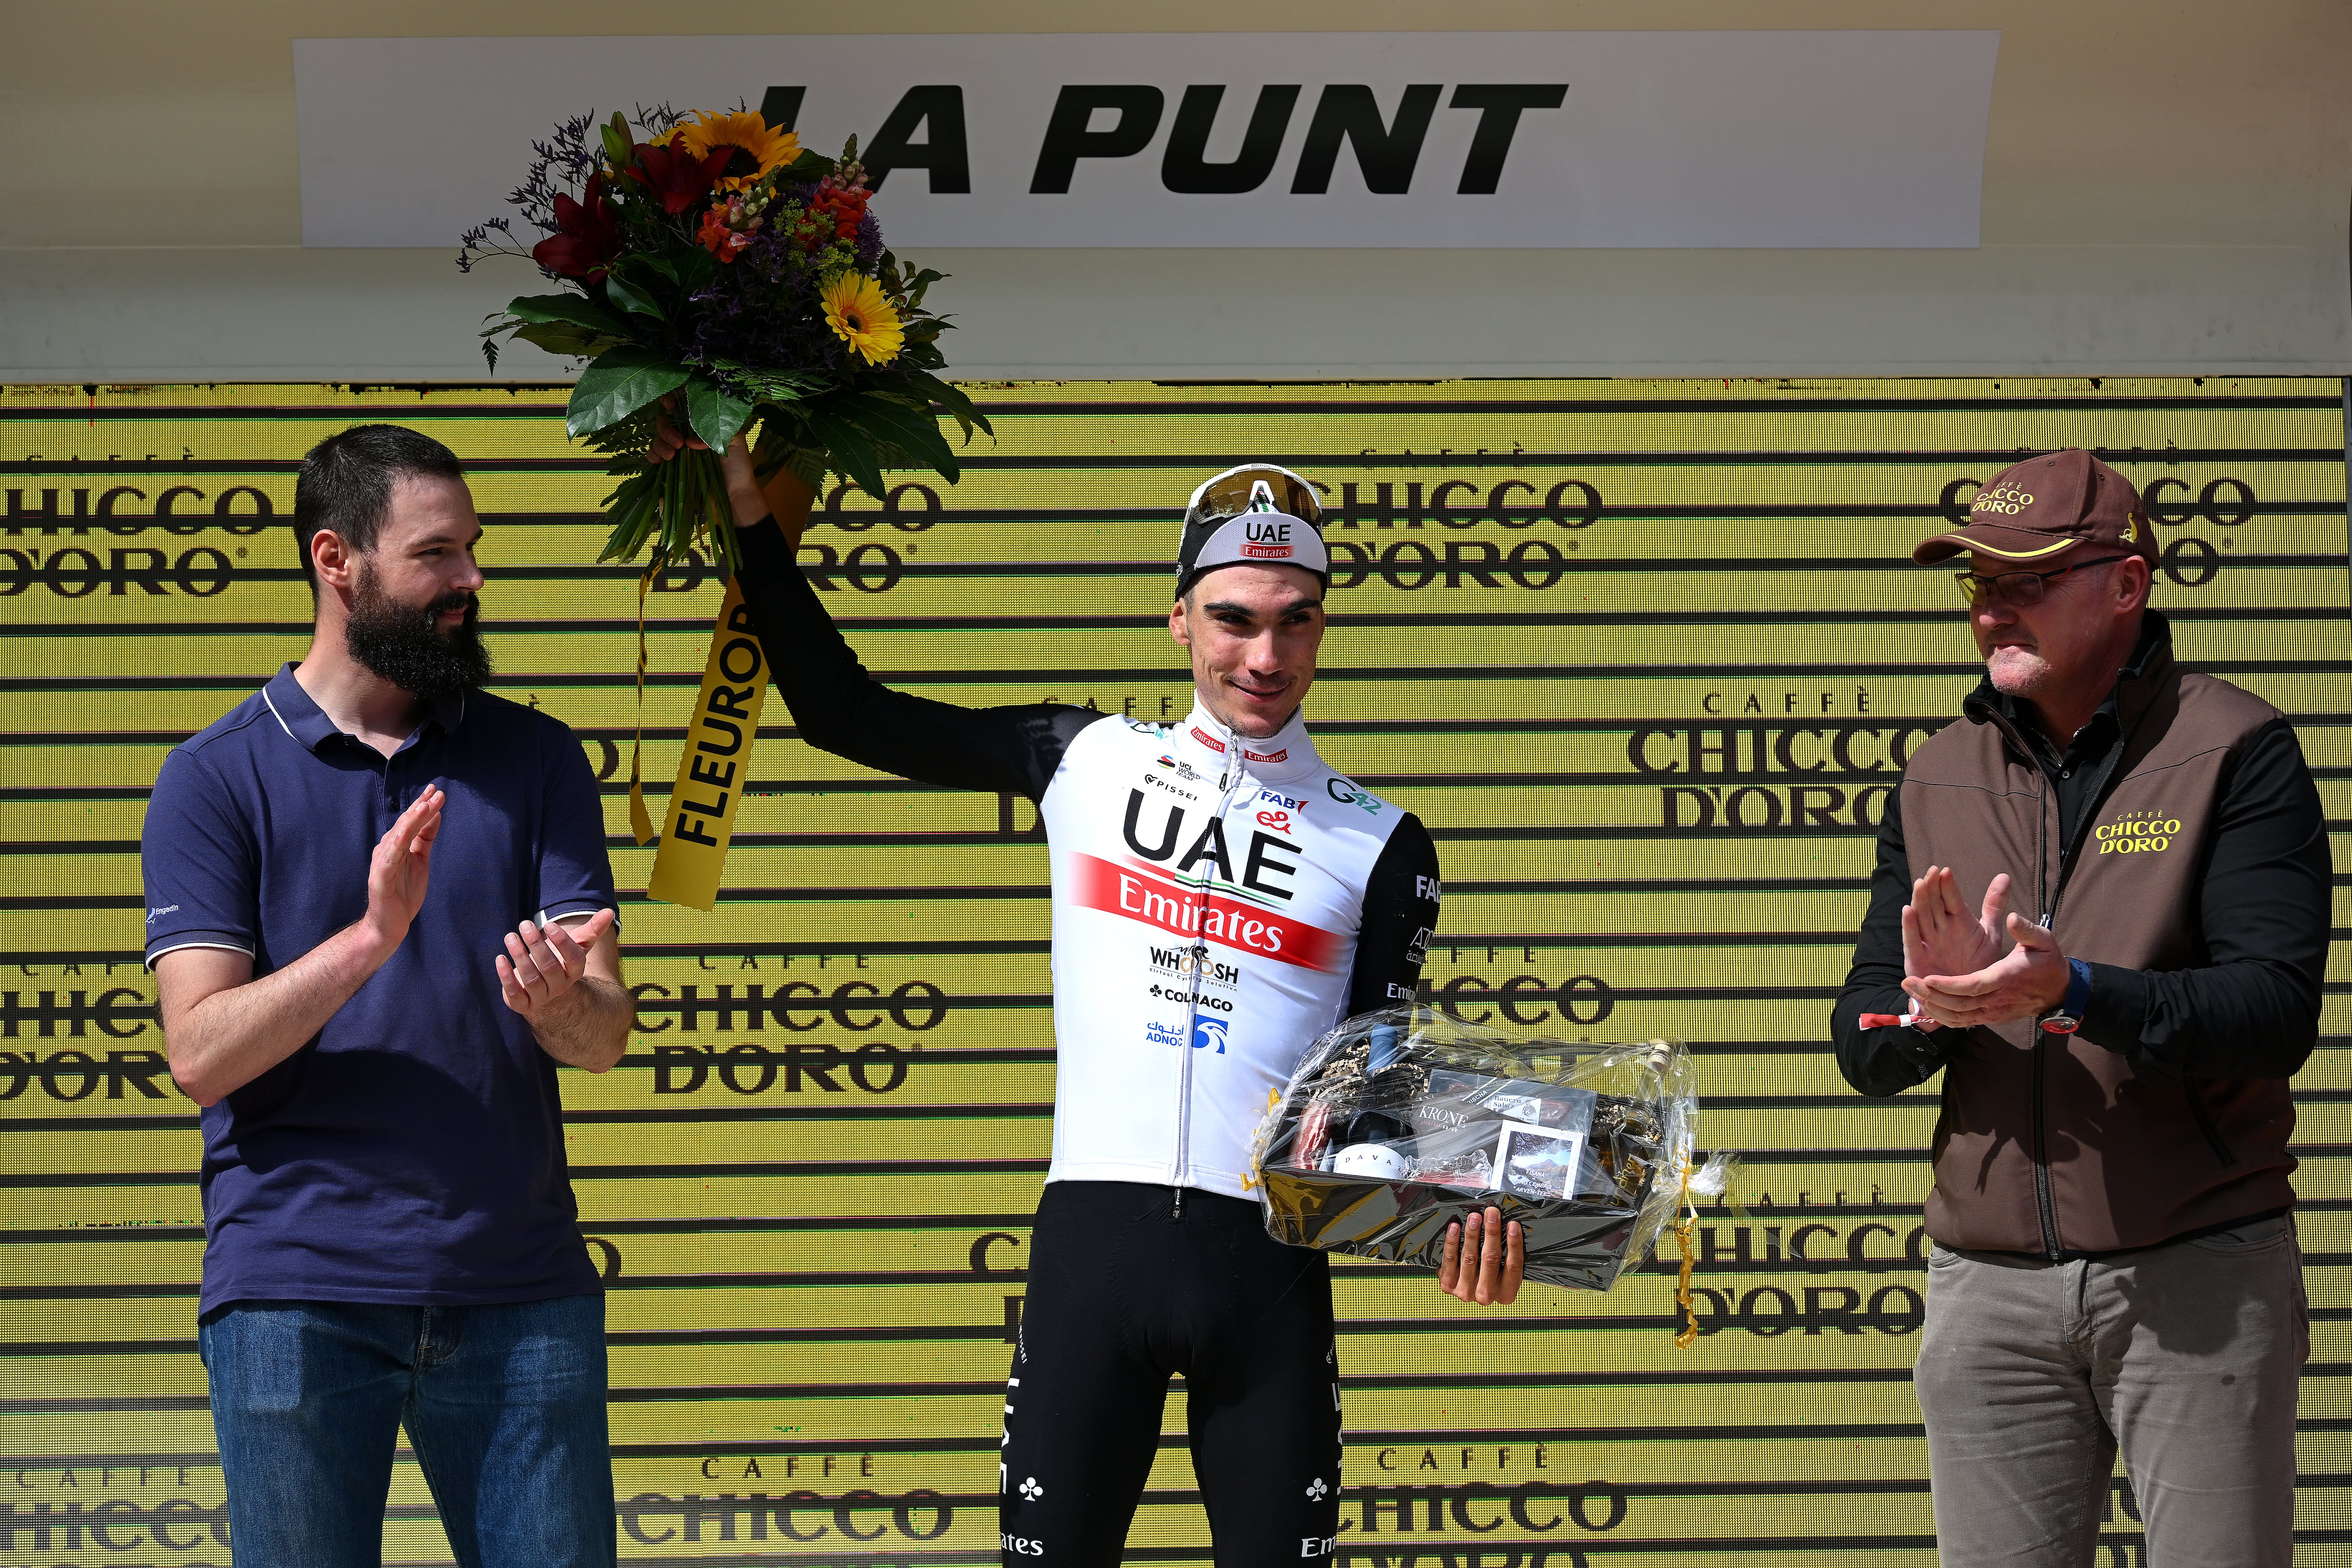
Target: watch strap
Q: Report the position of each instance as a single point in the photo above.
(2067, 1017)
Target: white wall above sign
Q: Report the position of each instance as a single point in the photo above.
(1435, 141)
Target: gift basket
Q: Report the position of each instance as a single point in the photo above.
(1401, 1122)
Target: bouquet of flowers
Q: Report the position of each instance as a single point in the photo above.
(717, 269)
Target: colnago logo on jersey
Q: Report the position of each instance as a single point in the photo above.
(1135, 894)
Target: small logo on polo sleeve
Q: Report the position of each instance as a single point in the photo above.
(2138, 833)
(154, 915)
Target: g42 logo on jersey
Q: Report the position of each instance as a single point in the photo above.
(1346, 794)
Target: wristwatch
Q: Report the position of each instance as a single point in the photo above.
(2068, 1017)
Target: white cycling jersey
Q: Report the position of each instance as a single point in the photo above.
(1208, 890)
(1218, 902)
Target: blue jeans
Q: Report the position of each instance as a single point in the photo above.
(504, 1406)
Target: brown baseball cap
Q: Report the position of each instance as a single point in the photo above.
(2033, 510)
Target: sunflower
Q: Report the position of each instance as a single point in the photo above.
(755, 148)
(857, 311)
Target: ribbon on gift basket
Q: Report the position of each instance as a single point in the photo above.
(714, 766)
(1686, 1219)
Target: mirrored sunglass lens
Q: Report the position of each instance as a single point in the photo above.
(1231, 496)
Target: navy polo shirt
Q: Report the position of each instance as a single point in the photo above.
(413, 1151)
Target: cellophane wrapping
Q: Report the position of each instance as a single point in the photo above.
(1399, 1122)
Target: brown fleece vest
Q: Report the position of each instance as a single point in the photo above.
(2048, 1143)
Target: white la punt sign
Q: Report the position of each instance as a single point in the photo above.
(1220, 140)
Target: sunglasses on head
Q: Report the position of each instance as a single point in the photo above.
(1259, 488)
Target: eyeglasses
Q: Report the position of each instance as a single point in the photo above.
(1255, 487)
(2023, 589)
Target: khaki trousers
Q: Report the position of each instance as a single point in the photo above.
(2030, 1373)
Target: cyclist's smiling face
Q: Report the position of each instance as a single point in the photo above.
(1253, 633)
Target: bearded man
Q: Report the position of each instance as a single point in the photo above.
(389, 1234)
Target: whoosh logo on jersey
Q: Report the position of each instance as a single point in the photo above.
(1183, 911)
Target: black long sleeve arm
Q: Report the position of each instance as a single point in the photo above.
(2251, 1009)
(1401, 899)
(841, 709)
(1880, 1062)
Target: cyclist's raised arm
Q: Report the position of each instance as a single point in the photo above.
(841, 709)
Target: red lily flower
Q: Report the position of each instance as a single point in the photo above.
(677, 176)
(590, 236)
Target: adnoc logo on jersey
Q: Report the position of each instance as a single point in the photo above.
(1157, 1034)
(1210, 1032)
(1441, 141)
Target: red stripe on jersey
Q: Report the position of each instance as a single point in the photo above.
(1181, 912)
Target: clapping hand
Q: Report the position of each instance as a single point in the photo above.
(1964, 973)
(401, 868)
(543, 962)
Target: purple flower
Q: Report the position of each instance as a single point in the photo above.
(763, 311)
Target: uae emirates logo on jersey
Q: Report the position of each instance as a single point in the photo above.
(1203, 916)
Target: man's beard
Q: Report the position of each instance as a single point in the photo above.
(403, 644)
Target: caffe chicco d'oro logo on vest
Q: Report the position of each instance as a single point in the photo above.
(2006, 499)
(2138, 833)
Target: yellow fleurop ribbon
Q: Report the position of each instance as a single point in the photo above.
(714, 766)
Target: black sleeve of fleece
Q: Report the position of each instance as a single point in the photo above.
(2252, 1010)
(841, 709)
(1401, 900)
(1880, 1062)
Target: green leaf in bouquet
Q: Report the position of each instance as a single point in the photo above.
(694, 269)
(575, 309)
(911, 426)
(846, 447)
(490, 352)
(716, 414)
(807, 169)
(563, 338)
(951, 398)
(774, 385)
(631, 510)
(619, 290)
(621, 381)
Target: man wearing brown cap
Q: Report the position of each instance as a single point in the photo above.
(2114, 1260)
